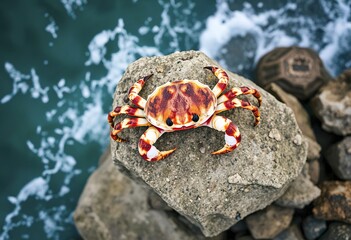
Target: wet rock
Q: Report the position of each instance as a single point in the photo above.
(332, 105)
(112, 206)
(339, 158)
(300, 193)
(334, 202)
(298, 71)
(292, 233)
(213, 191)
(337, 231)
(268, 223)
(313, 228)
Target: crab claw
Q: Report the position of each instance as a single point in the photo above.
(146, 148)
(232, 135)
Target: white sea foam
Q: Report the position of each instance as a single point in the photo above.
(276, 27)
(72, 5)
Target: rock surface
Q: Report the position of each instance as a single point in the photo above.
(214, 192)
(112, 206)
(313, 228)
(337, 231)
(339, 158)
(300, 193)
(302, 118)
(332, 105)
(334, 202)
(268, 223)
(297, 70)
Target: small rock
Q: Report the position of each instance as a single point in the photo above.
(202, 150)
(334, 202)
(275, 134)
(292, 233)
(314, 171)
(339, 158)
(268, 223)
(300, 193)
(112, 206)
(314, 149)
(237, 179)
(298, 71)
(332, 105)
(313, 228)
(202, 183)
(298, 139)
(337, 231)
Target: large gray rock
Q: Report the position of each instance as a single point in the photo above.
(214, 192)
(112, 206)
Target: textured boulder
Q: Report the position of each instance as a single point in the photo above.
(112, 206)
(332, 105)
(339, 158)
(334, 202)
(271, 221)
(213, 192)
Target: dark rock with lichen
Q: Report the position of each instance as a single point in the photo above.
(334, 202)
(213, 192)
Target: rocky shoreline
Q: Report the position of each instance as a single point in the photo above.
(278, 184)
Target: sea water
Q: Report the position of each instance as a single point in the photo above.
(61, 60)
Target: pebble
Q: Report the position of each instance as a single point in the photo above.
(313, 228)
(268, 223)
(275, 134)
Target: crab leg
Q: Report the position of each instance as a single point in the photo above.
(146, 148)
(126, 109)
(133, 94)
(222, 77)
(232, 135)
(236, 91)
(127, 123)
(236, 103)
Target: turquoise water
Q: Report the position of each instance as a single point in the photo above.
(61, 60)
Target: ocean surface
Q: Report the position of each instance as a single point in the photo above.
(60, 61)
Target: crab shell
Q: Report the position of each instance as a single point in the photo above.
(179, 101)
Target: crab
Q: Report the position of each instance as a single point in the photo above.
(182, 105)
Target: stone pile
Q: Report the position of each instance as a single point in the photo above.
(275, 185)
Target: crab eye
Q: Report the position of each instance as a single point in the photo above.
(195, 117)
(169, 122)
